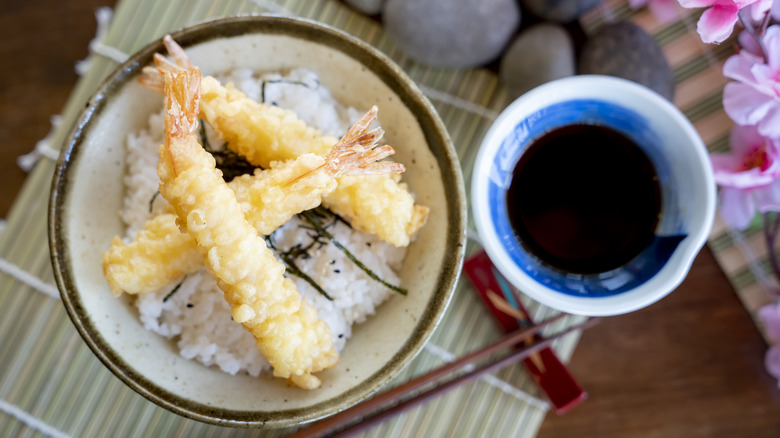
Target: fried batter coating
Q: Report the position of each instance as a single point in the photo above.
(379, 205)
(288, 332)
(159, 255)
(263, 133)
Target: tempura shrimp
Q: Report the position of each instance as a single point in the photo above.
(288, 332)
(161, 254)
(378, 204)
(158, 256)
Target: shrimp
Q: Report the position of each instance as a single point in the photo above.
(158, 256)
(287, 329)
(260, 133)
(376, 204)
(161, 253)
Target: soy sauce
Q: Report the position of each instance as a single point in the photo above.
(584, 199)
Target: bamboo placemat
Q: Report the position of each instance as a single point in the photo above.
(52, 385)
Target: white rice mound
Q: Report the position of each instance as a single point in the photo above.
(194, 313)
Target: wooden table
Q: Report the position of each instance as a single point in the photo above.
(688, 366)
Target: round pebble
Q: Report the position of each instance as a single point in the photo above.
(451, 33)
(562, 11)
(368, 7)
(625, 50)
(541, 53)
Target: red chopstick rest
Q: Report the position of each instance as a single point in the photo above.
(550, 374)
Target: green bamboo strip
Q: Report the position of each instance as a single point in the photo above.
(12, 389)
(46, 359)
(60, 403)
(98, 379)
(12, 426)
(705, 106)
(100, 418)
(701, 63)
(13, 318)
(671, 33)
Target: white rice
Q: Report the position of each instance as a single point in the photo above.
(196, 315)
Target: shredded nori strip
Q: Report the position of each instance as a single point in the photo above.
(293, 269)
(175, 289)
(283, 81)
(314, 221)
(230, 163)
(151, 201)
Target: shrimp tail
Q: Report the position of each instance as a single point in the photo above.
(357, 152)
(182, 101)
(152, 77)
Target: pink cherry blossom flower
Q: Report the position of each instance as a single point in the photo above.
(748, 43)
(748, 176)
(717, 22)
(755, 98)
(772, 362)
(664, 11)
(770, 317)
(759, 9)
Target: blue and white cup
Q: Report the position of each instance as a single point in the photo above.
(688, 197)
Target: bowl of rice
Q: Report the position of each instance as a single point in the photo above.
(177, 343)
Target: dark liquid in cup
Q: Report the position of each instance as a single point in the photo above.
(584, 199)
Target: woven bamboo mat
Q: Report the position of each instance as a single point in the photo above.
(52, 385)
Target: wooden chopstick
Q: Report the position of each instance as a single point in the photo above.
(370, 412)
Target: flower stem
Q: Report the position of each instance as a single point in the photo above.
(770, 233)
(756, 33)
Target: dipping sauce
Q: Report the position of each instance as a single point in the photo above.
(584, 199)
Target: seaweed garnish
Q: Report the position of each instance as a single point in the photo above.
(230, 163)
(151, 201)
(289, 256)
(314, 219)
(175, 289)
(283, 81)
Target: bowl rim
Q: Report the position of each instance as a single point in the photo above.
(434, 132)
(644, 101)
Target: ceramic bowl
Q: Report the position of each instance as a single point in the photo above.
(87, 194)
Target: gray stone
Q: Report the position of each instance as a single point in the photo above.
(368, 7)
(541, 53)
(625, 50)
(562, 11)
(451, 33)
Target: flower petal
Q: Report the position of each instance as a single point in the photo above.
(717, 23)
(665, 11)
(747, 179)
(759, 8)
(737, 207)
(772, 45)
(772, 362)
(744, 139)
(744, 104)
(769, 315)
(770, 124)
(739, 67)
(746, 44)
(768, 198)
(696, 3)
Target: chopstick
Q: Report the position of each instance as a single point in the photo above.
(371, 410)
